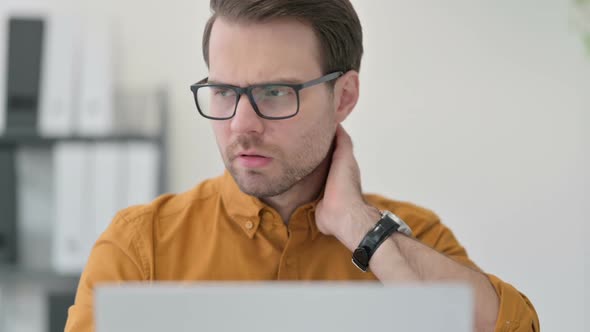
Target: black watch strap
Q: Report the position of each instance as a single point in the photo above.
(369, 244)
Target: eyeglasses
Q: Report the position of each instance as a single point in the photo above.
(273, 101)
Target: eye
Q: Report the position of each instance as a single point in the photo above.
(223, 92)
(276, 92)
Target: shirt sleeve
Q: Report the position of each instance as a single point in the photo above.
(516, 312)
(112, 260)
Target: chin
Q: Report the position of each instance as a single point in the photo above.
(259, 184)
(276, 179)
(261, 190)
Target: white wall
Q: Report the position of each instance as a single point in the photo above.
(475, 109)
(480, 104)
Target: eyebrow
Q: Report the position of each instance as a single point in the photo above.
(280, 80)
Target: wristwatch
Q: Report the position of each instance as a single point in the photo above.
(387, 225)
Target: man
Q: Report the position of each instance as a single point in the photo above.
(283, 75)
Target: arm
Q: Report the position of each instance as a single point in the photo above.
(344, 214)
(114, 258)
(401, 258)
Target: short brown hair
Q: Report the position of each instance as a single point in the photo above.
(335, 23)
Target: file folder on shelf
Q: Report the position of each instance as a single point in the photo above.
(3, 68)
(108, 186)
(58, 304)
(22, 11)
(8, 227)
(73, 194)
(61, 70)
(94, 181)
(96, 91)
(23, 305)
(142, 172)
(138, 112)
(25, 44)
(35, 208)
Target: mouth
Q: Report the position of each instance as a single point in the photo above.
(253, 160)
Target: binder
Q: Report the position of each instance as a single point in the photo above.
(142, 172)
(25, 43)
(108, 187)
(58, 304)
(3, 69)
(8, 227)
(96, 116)
(35, 209)
(24, 303)
(138, 112)
(73, 194)
(60, 77)
(19, 9)
(3, 304)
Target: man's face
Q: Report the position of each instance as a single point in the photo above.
(268, 157)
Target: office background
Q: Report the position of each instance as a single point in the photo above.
(476, 110)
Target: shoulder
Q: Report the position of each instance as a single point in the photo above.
(138, 223)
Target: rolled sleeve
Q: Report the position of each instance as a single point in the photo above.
(516, 312)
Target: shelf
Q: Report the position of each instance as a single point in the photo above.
(11, 139)
(47, 279)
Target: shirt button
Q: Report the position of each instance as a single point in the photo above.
(267, 215)
(249, 225)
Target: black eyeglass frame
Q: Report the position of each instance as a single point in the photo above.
(248, 92)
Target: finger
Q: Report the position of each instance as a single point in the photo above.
(343, 139)
(344, 150)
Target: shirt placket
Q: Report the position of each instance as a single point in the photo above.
(298, 231)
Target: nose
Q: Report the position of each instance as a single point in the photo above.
(246, 120)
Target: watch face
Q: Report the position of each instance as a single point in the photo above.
(360, 258)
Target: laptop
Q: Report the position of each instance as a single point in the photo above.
(266, 307)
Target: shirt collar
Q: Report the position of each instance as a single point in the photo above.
(311, 219)
(245, 210)
(241, 208)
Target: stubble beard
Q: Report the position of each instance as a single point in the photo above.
(292, 169)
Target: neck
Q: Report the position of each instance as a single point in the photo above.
(304, 191)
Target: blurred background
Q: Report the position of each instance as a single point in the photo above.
(478, 110)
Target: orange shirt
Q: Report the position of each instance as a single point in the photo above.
(216, 232)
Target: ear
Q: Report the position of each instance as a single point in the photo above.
(346, 94)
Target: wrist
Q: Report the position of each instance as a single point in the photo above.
(359, 223)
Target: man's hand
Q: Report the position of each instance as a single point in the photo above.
(342, 212)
